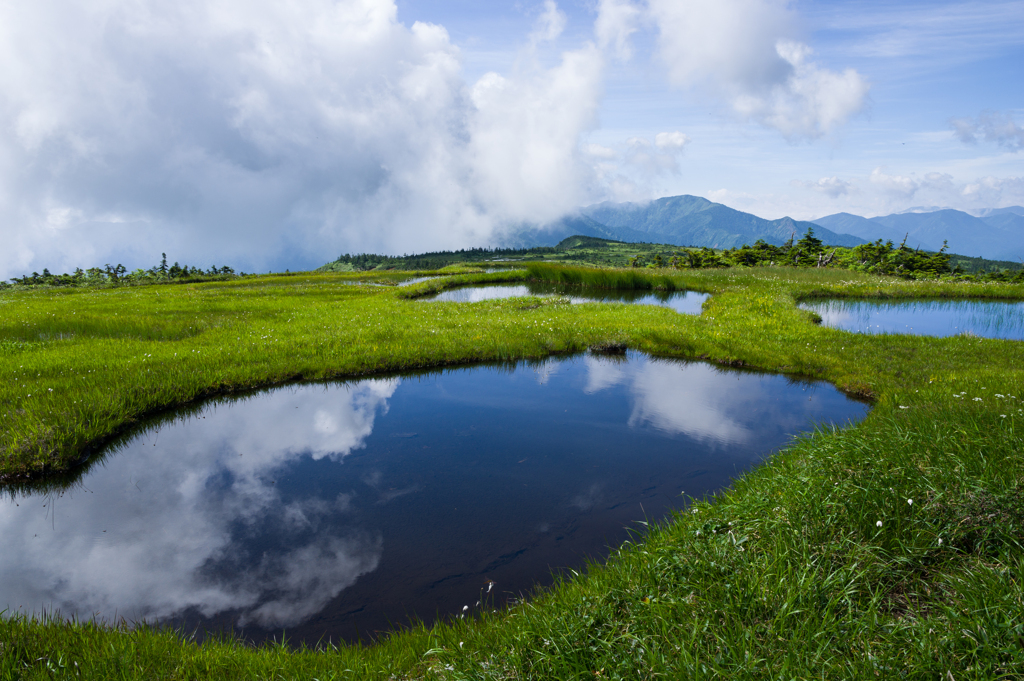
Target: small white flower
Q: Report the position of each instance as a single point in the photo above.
(977, 399)
(1003, 415)
(465, 608)
(878, 524)
(940, 541)
(902, 407)
(910, 501)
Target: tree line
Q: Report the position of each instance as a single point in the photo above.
(434, 260)
(877, 258)
(114, 275)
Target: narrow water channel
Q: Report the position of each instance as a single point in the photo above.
(338, 510)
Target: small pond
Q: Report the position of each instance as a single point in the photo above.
(984, 318)
(686, 302)
(338, 510)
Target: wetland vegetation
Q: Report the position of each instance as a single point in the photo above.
(890, 548)
(878, 258)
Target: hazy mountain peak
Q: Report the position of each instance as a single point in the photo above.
(683, 220)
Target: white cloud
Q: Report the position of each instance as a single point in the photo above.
(987, 192)
(642, 157)
(991, 126)
(261, 134)
(880, 192)
(616, 21)
(829, 186)
(549, 25)
(599, 151)
(524, 137)
(671, 141)
(744, 50)
(897, 185)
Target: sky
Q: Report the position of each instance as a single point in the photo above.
(271, 135)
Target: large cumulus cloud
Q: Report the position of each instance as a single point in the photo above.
(268, 135)
(266, 132)
(747, 52)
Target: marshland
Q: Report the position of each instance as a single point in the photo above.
(889, 546)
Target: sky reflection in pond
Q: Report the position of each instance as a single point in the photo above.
(984, 318)
(335, 510)
(684, 302)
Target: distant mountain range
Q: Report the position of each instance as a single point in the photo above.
(996, 234)
(679, 220)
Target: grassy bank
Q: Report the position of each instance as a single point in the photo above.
(889, 549)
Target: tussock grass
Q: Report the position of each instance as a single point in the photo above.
(601, 277)
(788, 574)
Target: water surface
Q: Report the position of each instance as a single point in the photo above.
(985, 318)
(685, 302)
(337, 510)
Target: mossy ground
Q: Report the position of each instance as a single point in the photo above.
(892, 549)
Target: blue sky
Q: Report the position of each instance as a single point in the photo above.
(272, 135)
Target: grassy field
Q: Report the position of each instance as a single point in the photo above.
(890, 549)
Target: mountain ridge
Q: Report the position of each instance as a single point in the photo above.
(684, 220)
(998, 235)
(694, 221)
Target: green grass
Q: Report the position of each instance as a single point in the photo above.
(785, 575)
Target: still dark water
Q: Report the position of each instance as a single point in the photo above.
(338, 510)
(686, 302)
(984, 318)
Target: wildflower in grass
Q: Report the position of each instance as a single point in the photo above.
(977, 399)
(910, 502)
(940, 541)
(878, 524)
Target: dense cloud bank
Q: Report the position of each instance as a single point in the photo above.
(264, 134)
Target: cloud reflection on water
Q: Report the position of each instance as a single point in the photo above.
(164, 528)
(692, 399)
(249, 512)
